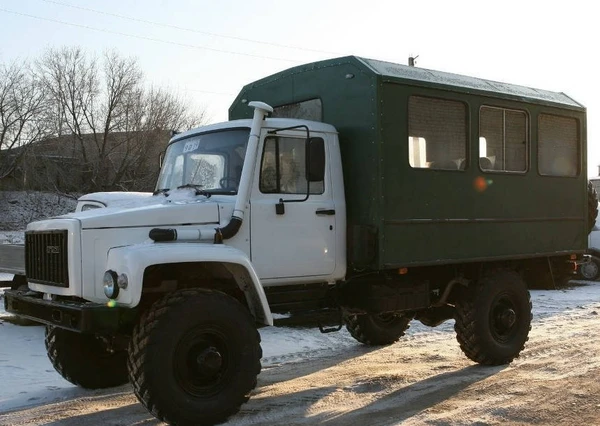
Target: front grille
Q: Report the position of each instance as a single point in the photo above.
(46, 257)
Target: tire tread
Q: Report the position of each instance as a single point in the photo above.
(139, 346)
(471, 343)
(361, 327)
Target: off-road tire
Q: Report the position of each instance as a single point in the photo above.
(592, 206)
(480, 325)
(168, 352)
(84, 360)
(590, 272)
(377, 330)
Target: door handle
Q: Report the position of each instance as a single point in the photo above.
(326, 212)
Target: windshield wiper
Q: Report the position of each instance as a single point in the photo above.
(191, 185)
(161, 191)
(222, 192)
(197, 188)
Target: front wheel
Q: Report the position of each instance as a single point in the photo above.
(493, 318)
(194, 357)
(85, 360)
(377, 329)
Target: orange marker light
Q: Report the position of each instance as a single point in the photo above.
(403, 271)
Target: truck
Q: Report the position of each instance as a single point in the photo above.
(380, 192)
(591, 269)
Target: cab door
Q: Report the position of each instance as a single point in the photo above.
(292, 212)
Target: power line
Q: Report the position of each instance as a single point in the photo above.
(156, 40)
(200, 91)
(176, 27)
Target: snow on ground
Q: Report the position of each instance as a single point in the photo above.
(28, 378)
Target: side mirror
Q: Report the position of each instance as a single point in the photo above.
(161, 157)
(315, 160)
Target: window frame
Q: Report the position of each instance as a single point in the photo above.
(277, 137)
(527, 136)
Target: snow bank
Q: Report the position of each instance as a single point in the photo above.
(12, 237)
(18, 208)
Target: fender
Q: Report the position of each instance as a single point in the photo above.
(133, 261)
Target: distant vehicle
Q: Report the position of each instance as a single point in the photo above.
(596, 183)
(591, 270)
(388, 192)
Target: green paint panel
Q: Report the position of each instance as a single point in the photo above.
(400, 216)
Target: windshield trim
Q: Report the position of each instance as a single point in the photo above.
(208, 132)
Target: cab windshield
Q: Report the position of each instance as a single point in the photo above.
(210, 162)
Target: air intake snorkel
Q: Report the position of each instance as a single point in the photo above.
(261, 110)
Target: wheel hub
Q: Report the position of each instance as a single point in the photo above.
(209, 361)
(507, 318)
(201, 361)
(589, 270)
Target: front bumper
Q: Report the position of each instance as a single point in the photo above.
(78, 316)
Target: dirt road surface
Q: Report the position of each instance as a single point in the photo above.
(423, 379)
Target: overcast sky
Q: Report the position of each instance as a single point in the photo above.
(208, 50)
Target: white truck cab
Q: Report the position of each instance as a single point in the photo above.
(291, 230)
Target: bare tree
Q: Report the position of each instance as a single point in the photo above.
(114, 125)
(22, 114)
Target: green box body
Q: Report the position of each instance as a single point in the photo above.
(399, 216)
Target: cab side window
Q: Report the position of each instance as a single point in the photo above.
(283, 167)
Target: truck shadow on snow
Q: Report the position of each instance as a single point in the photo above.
(401, 404)
(410, 400)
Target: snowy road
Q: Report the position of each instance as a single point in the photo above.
(309, 378)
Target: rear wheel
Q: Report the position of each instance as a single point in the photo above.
(493, 318)
(374, 330)
(85, 360)
(590, 270)
(194, 357)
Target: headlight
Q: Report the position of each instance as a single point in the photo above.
(111, 289)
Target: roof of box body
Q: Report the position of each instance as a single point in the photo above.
(423, 77)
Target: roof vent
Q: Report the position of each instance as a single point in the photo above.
(412, 60)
